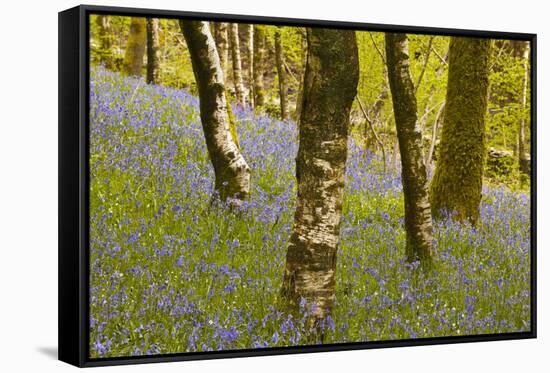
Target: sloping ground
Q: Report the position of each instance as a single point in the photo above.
(171, 272)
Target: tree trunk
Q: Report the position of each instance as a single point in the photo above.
(237, 66)
(258, 62)
(299, 98)
(522, 153)
(105, 41)
(281, 74)
(418, 218)
(135, 48)
(222, 45)
(456, 185)
(232, 174)
(153, 51)
(251, 65)
(330, 85)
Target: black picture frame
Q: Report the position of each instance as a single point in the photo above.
(73, 165)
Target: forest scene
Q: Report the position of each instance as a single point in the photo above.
(258, 186)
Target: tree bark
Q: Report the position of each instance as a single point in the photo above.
(281, 74)
(418, 218)
(237, 65)
(457, 182)
(258, 62)
(105, 41)
(135, 48)
(232, 174)
(153, 51)
(330, 85)
(299, 98)
(522, 153)
(222, 44)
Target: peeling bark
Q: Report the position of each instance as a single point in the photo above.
(135, 48)
(330, 85)
(153, 51)
(232, 174)
(237, 65)
(418, 218)
(457, 182)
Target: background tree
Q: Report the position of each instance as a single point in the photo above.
(135, 47)
(232, 174)
(222, 44)
(281, 74)
(330, 85)
(523, 155)
(236, 61)
(456, 186)
(153, 51)
(105, 36)
(418, 218)
(298, 108)
(258, 62)
(250, 29)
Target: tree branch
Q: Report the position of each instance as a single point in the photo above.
(429, 155)
(377, 49)
(425, 65)
(369, 121)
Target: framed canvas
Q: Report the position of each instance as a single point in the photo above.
(237, 186)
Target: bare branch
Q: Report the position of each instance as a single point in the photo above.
(369, 121)
(377, 49)
(429, 155)
(429, 50)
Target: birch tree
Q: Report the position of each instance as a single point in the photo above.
(418, 218)
(236, 62)
(330, 85)
(232, 173)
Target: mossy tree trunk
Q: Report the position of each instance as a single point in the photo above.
(281, 73)
(458, 178)
(105, 41)
(237, 65)
(418, 217)
(330, 85)
(135, 47)
(153, 51)
(232, 174)
(258, 62)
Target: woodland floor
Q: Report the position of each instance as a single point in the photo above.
(170, 272)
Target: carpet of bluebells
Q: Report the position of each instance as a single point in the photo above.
(171, 272)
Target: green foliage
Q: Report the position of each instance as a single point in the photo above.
(505, 104)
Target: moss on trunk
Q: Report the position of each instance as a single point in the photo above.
(457, 182)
